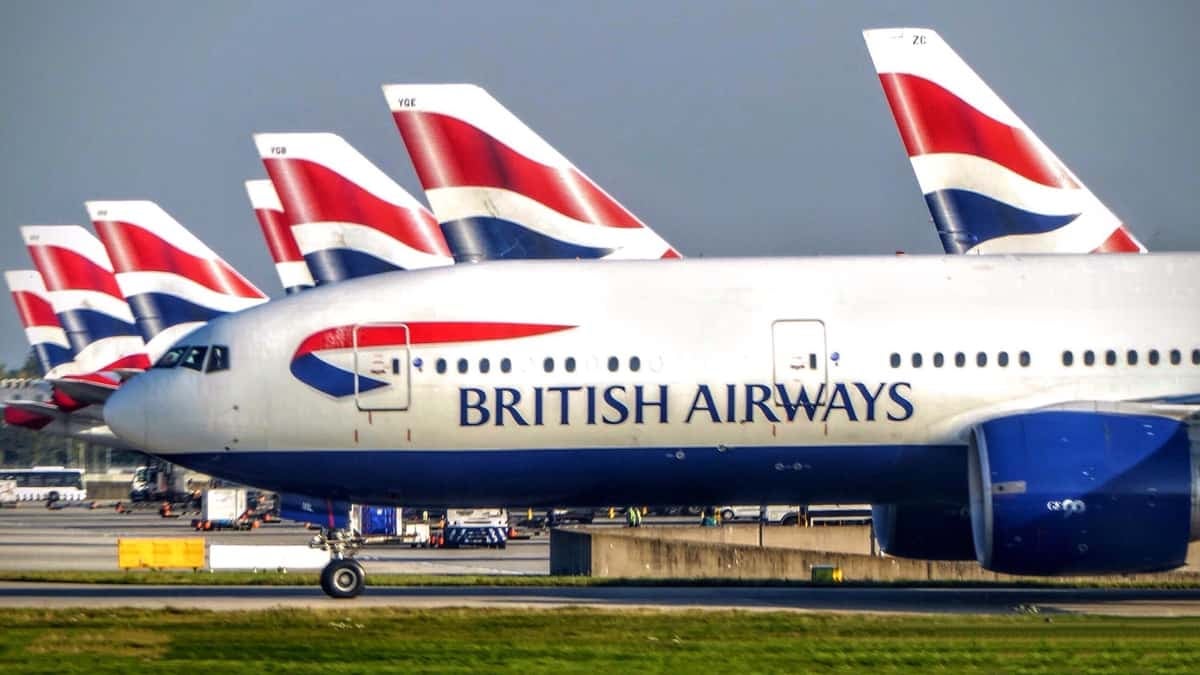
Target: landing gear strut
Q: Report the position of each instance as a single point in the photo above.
(344, 577)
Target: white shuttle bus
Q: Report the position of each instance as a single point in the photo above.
(47, 483)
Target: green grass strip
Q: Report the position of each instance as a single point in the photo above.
(584, 641)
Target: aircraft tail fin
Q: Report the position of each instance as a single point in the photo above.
(349, 218)
(500, 191)
(991, 185)
(289, 262)
(173, 281)
(45, 334)
(86, 298)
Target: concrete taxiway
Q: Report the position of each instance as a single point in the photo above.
(34, 538)
(1116, 602)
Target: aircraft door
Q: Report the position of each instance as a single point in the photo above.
(799, 358)
(381, 366)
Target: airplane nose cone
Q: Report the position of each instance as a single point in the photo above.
(125, 412)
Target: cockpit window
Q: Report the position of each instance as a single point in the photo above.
(171, 358)
(194, 358)
(218, 359)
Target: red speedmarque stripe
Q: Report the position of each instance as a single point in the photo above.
(448, 152)
(933, 120)
(313, 193)
(34, 310)
(65, 270)
(1120, 241)
(422, 332)
(134, 249)
(278, 233)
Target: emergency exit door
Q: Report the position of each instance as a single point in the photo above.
(799, 357)
(381, 366)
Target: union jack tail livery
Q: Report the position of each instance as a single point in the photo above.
(86, 298)
(45, 334)
(991, 185)
(172, 280)
(500, 191)
(349, 218)
(289, 262)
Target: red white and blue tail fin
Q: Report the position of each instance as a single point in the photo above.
(991, 185)
(173, 282)
(289, 262)
(500, 191)
(348, 217)
(45, 334)
(86, 298)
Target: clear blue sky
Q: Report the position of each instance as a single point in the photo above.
(741, 128)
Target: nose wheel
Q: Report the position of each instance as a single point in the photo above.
(343, 578)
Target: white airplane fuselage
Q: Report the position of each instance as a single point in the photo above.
(694, 381)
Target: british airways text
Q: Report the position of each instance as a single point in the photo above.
(716, 404)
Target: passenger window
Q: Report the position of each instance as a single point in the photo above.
(218, 359)
(1195, 357)
(441, 366)
(505, 365)
(938, 360)
(484, 365)
(1131, 357)
(916, 360)
(960, 360)
(1176, 357)
(1152, 357)
(462, 365)
(548, 365)
(194, 358)
(1024, 359)
(569, 364)
(613, 364)
(981, 359)
(171, 358)
(895, 360)
(1002, 359)
(1068, 358)
(1110, 358)
(635, 363)
(1089, 358)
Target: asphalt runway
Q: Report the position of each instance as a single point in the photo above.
(33, 538)
(1114, 602)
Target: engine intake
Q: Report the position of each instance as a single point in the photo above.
(1076, 492)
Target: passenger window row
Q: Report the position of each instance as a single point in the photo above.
(959, 359)
(1131, 357)
(203, 358)
(569, 365)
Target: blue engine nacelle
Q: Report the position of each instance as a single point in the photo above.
(928, 531)
(1076, 492)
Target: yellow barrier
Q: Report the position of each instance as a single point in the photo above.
(160, 553)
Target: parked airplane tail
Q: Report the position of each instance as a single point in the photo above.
(289, 262)
(991, 185)
(172, 280)
(348, 217)
(86, 298)
(42, 329)
(500, 191)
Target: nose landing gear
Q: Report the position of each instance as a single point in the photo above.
(344, 577)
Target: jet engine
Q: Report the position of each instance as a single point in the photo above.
(1082, 492)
